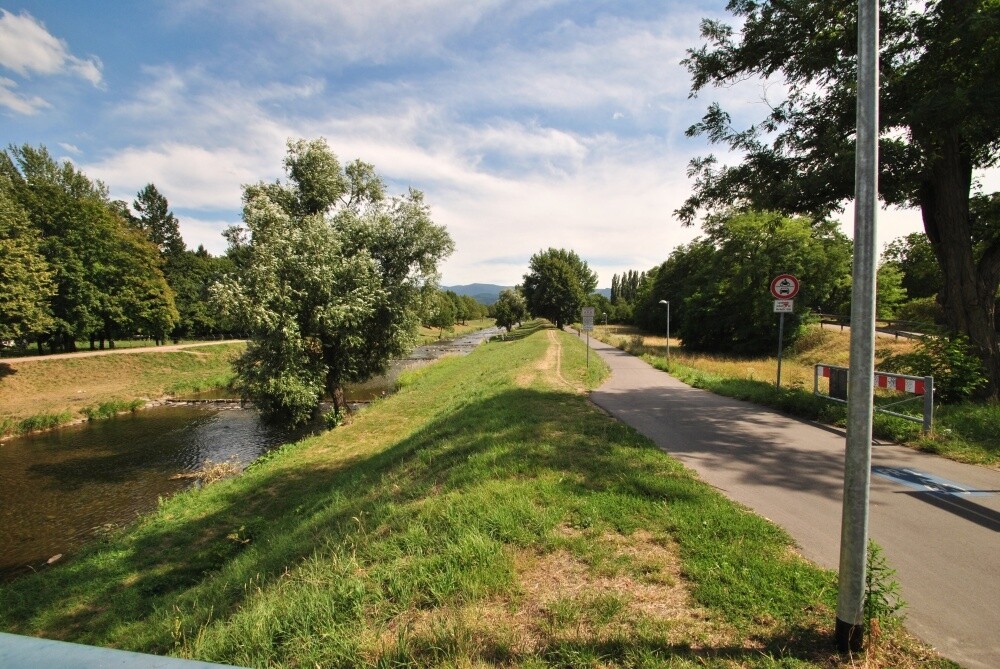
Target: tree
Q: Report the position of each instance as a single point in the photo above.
(938, 105)
(915, 259)
(157, 221)
(107, 277)
(510, 308)
(26, 284)
(443, 313)
(556, 285)
(329, 276)
(717, 286)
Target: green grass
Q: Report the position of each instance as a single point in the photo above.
(112, 408)
(486, 514)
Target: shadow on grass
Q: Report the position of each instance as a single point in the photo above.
(6, 370)
(512, 466)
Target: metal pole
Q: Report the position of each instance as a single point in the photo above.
(928, 404)
(668, 331)
(781, 336)
(857, 459)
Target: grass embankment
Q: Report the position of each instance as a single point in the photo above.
(968, 432)
(40, 394)
(426, 335)
(486, 514)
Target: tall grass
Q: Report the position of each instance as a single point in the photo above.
(486, 514)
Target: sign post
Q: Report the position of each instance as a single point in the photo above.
(587, 316)
(783, 287)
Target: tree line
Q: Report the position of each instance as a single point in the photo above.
(78, 266)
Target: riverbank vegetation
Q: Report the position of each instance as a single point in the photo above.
(964, 431)
(487, 514)
(41, 394)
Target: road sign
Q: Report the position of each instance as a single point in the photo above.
(784, 287)
(587, 315)
(784, 306)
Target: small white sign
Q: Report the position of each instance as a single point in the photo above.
(784, 306)
(587, 315)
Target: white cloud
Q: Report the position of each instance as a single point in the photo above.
(70, 148)
(27, 105)
(26, 47)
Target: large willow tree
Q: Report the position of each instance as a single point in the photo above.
(938, 113)
(328, 280)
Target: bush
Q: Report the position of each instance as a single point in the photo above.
(958, 373)
(922, 310)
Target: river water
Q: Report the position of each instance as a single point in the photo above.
(62, 488)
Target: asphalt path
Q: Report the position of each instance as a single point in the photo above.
(938, 521)
(113, 351)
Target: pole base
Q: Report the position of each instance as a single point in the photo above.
(850, 638)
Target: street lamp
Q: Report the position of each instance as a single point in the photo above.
(666, 302)
(605, 314)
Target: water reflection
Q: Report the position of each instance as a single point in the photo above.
(59, 489)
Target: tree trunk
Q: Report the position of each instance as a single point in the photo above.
(969, 293)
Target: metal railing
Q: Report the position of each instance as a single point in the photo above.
(918, 386)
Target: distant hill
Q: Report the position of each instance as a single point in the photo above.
(488, 293)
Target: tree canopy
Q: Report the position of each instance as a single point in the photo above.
(557, 284)
(938, 125)
(329, 279)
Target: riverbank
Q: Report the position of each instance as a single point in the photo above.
(52, 391)
(486, 514)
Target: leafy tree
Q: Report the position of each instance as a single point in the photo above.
(889, 292)
(107, 277)
(717, 286)
(557, 284)
(938, 124)
(443, 312)
(157, 221)
(25, 278)
(328, 281)
(510, 308)
(915, 259)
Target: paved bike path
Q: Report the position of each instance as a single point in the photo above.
(938, 521)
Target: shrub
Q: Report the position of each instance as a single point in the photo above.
(957, 372)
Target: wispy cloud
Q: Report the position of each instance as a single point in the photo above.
(21, 104)
(27, 47)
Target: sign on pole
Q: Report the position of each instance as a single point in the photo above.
(784, 306)
(784, 287)
(587, 316)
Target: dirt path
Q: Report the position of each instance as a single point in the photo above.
(112, 351)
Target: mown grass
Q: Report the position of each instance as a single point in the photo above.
(968, 432)
(486, 514)
(41, 394)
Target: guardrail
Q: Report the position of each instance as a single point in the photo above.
(899, 328)
(919, 386)
(26, 652)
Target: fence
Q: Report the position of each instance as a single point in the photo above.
(918, 386)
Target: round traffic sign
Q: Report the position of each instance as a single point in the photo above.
(784, 287)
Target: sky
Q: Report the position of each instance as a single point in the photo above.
(528, 124)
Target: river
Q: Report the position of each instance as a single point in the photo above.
(62, 488)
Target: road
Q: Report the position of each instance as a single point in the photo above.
(938, 521)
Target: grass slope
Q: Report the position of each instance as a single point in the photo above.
(487, 514)
(45, 393)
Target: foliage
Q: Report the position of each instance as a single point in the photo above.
(939, 95)
(925, 310)
(443, 312)
(958, 373)
(157, 221)
(889, 291)
(329, 280)
(107, 275)
(717, 286)
(557, 284)
(883, 601)
(914, 256)
(26, 285)
(510, 308)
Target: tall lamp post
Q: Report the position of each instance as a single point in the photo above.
(605, 314)
(667, 302)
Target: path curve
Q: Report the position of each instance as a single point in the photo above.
(944, 546)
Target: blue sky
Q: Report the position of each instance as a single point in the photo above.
(527, 123)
